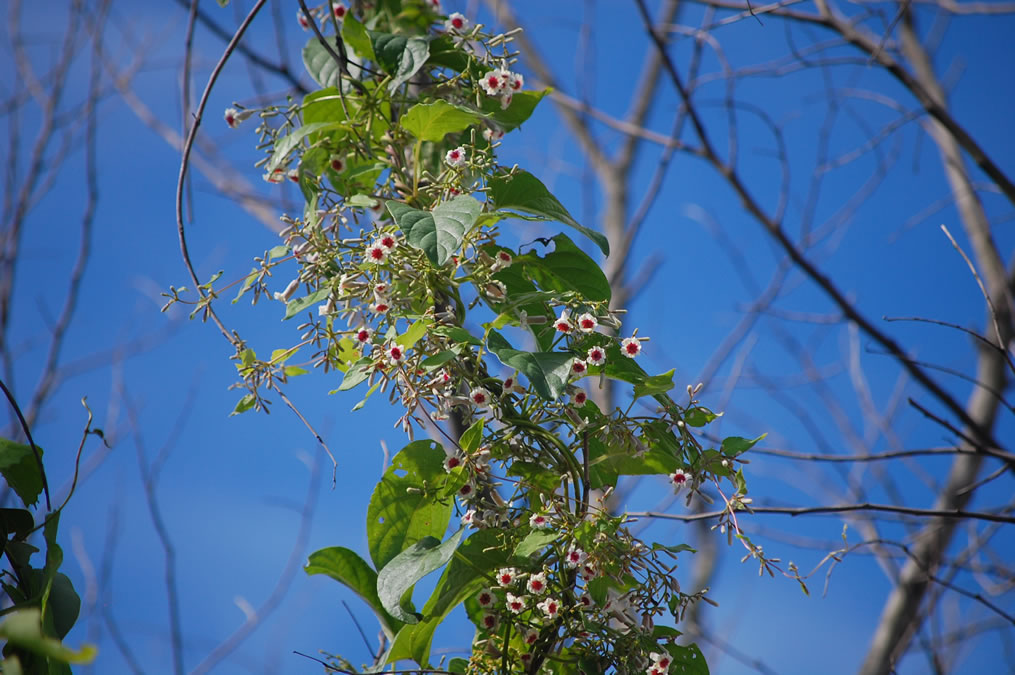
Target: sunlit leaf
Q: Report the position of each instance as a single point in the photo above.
(408, 567)
(524, 192)
(352, 571)
(433, 121)
(400, 513)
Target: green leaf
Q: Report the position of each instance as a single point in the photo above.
(408, 567)
(291, 141)
(734, 445)
(414, 333)
(458, 666)
(433, 121)
(438, 233)
(15, 524)
(358, 372)
(687, 659)
(471, 569)
(535, 541)
(524, 192)
(536, 475)
(402, 511)
(679, 548)
(399, 55)
(347, 568)
(656, 384)
(568, 268)
(248, 281)
(23, 628)
(457, 334)
(699, 417)
(21, 470)
(296, 306)
(472, 436)
(444, 53)
(548, 372)
(366, 397)
(356, 37)
(523, 103)
(320, 64)
(439, 359)
(362, 201)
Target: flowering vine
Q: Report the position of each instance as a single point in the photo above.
(402, 281)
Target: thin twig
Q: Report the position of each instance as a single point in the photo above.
(188, 146)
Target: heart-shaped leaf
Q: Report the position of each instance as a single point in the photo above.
(433, 121)
(437, 233)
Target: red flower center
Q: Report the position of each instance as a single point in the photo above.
(632, 348)
(457, 23)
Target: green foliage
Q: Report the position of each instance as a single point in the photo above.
(439, 233)
(548, 372)
(433, 121)
(524, 192)
(410, 290)
(350, 570)
(45, 605)
(404, 508)
(405, 569)
(21, 470)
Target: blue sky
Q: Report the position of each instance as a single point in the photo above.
(232, 487)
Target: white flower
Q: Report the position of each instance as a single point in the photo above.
(550, 607)
(579, 398)
(479, 396)
(339, 9)
(376, 253)
(563, 322)
(587, 323)
(456, 23)
(337, 164)
(455, 156)
(515, 603)
(679, 479)
(597, 356)
(539, 521)
(491, 135)
(396, 354)
(495, 82)
(506, 576)
(575, 557)
(485, 598)
(232, 117)
(536, 583)
(630, 347)
(579, 368)
(515, 81)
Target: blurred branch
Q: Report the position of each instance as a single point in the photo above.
(842, 508)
